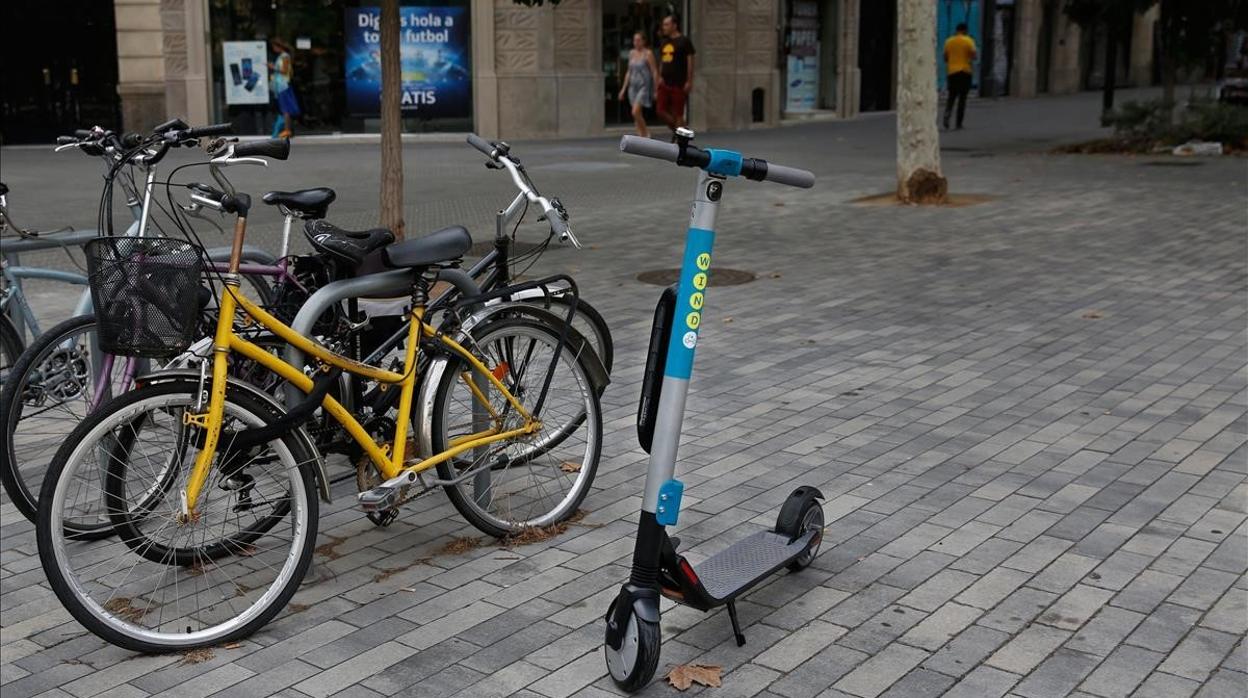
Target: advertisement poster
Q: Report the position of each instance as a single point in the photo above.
(436, 60)
(802, 66)
(246, 72)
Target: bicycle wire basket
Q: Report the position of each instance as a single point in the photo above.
(145, 291)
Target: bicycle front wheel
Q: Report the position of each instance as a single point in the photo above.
(531, 481)
(166, 582)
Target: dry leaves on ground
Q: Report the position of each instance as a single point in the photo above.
(682, 676)
(1093, 315)
(198, 656)
(457, 546)
(570, 467)
(121, 607)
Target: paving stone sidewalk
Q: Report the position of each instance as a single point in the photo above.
(1029, 417)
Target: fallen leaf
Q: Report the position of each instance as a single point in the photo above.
(570, 467)
(682, 676)
(1092, 315)
(198, 656)
(776, 275)
(231, 645)
(727, 320)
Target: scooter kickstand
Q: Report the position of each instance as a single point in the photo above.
(736, 625)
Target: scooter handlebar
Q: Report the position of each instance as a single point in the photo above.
(751, 168)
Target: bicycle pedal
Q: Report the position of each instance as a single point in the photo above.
(379, 498)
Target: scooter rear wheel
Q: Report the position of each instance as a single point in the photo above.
(801, 514)
(632, 666)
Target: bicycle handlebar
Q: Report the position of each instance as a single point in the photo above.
(556, 214)
(224, 129)
(751, 168)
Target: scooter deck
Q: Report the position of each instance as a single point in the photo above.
(747, 562)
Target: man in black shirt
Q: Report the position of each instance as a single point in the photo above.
(675, 73)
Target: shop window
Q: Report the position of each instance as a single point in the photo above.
(334, 65)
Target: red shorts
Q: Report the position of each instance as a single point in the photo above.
(671, 100)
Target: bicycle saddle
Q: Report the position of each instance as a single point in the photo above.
(311, 203)
(3, 189)
(439, 246)
(349, 246)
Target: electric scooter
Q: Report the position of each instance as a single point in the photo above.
(632, 637)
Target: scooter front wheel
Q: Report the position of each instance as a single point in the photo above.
(632, 666)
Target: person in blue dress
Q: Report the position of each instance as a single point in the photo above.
(281, 70)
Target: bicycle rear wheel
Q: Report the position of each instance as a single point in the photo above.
(165, 583)
(53, 385)
(529, 481)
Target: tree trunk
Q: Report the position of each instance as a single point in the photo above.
(1111, 67)
(919, 180)
(391, 121)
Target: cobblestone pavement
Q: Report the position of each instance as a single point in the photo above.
(1028, 417)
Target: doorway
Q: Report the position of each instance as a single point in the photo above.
(876, 26)
(54, 87)
(620, 20)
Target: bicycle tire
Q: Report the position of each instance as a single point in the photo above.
(601, 335)
(12, 408)
(119, 624)
(591, 417)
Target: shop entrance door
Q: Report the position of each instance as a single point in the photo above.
(876, 26)
(55, 82)
(620, 20)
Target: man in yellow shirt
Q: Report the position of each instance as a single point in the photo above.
(959, 55)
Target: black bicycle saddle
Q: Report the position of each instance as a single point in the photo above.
(439, 246)
(310, 203)
(4, 189)
(349, 246)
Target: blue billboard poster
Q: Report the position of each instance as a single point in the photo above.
(435, 54)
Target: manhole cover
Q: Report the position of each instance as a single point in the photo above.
(480, 249)
(718, 277)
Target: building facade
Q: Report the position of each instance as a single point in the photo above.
(508, 70)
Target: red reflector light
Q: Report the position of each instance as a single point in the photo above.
(687, 569)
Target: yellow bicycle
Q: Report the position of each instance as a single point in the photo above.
(212, 486)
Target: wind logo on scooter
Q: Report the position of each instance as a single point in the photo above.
(691, 297)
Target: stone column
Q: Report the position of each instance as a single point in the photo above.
(848, 76)
(1027, 14)
(737, 54)
(184, 25)
(537, 71)
(140, 63)
(1141, 67)
(1064, 73)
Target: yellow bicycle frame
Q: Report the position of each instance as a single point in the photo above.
(388, 464)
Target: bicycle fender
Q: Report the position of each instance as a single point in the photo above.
(432, 377)
(322, 478)
(580, 346)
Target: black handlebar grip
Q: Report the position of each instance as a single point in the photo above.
(171, 125)
(276, 148)
(83, 133)
(481, 144)
(66, 140)
(212, 130)
(131, 140)
(558, 225)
